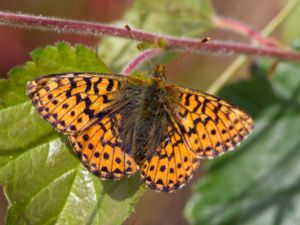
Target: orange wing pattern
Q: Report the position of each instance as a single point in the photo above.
(83, 106)
(99, 148)
(210, 126)
(70, 102)
(172, 165)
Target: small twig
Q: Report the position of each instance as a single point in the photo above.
(237, 26)
(139, 59)
(98, 29)
(241, 60)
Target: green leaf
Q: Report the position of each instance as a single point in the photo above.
(259, 183)
(53, 59)
(43, 180)
(188, 18)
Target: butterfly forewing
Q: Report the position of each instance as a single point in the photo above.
(72, 102)
(209, 125)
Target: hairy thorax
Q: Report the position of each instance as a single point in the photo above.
(144, 117)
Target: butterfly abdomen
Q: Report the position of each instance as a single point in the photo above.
(144, 120)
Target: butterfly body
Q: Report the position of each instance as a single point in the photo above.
(119, 125)
(144, 118)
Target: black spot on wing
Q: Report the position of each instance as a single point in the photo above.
(204, 106)
(73, 83)
(195, 109)
(95, 86)
(110, 85)
(88, 84)
(187, 99)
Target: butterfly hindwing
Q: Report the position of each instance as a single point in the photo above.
(210, 125)
(72, 102)
(172, 165)
(99, 148)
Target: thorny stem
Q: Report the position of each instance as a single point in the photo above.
(172, 43)
(140, 58)
(241, 60)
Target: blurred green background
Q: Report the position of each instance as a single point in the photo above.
(212, 198)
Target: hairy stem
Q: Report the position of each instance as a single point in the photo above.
(97, 29)
(237, 26)
(139, 59)
(241, 60)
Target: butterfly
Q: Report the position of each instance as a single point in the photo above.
(119, 125)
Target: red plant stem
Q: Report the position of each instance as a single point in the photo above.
(98, 29)
(139, 59)
(237, 26)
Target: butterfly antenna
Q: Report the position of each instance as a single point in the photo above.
(138, 45)
(204, 40)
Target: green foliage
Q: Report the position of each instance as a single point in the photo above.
(259, 183)
(188, 18)
(179, 18)
(43, 180)
(51, 60)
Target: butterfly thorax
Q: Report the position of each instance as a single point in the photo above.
(144, 117)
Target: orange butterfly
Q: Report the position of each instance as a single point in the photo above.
(120, 124)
